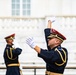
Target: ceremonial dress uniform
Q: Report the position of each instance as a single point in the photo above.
(56, 58)
(11, 56)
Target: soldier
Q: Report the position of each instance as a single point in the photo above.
(55, 56)
(11, 56)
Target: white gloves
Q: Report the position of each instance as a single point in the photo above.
(52, 19)
(30, 42)
(16, 45)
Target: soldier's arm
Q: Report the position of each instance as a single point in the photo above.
(37, 48)
(47, 31)
(17, 51)
(49, 24)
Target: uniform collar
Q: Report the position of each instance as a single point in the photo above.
(58, 47)
(9, 45)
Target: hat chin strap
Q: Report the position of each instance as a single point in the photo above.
(59, 38)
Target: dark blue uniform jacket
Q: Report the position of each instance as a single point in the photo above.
(56, 58)
(11, 57)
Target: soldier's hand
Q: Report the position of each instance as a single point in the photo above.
(50, 21)
(16, 44)
(30, 42)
